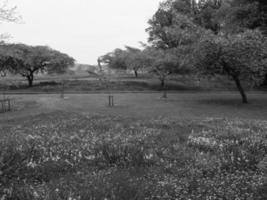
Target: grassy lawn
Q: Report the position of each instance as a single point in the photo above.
(189, 146)
(178, 106)
(123, 82)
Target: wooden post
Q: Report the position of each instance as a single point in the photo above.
(110, 101)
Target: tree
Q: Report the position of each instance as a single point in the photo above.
(30, 60)
(215, 15)
(7, 14)
(224, 19)
(171, 13)
(172, 38)
(164, 63)
(115, 59)
(129, 59)
(246, 14)
(135, 59)
(241, 56)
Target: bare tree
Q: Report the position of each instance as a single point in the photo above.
(8, 13)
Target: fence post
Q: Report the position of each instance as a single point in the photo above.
(110, 101)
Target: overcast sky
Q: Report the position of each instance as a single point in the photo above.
(85, 29)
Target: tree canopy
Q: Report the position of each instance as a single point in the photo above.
(241, 56)
(130, 58)
(30, 60)
(202, 37)
(217, 32)
(114, 59)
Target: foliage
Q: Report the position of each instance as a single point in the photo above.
(169, 29)
(115, 59)
(29, 60)
(172, 35)
(240, 56)
(172, 38)
(196, 14)
(136, 59)
(177, 20)
(163, 63)
(129, 59)
(218, 15)
(70, 156)
(246, 14)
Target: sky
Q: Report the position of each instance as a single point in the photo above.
(84, 29)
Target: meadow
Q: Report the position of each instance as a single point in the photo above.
(192, 145)
(82, 82)
(189, 120)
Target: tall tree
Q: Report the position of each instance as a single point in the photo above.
(7, 14)
(241, 56)
(222, 17)
(135, 59)
(30, 60)
(172, 36)
(164, 63)
(202, 13)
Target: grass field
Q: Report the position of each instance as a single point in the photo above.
(190, 146)
(183, 105)
(84, 83)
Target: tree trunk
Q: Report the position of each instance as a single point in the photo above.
(163, 87)
(164, 95)
(241, 90)
(162, 83)
(265, 81)
(30, 80)
(136, 73)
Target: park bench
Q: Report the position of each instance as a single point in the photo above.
(5, 105)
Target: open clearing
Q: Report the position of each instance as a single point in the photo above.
(147, 105)
(145, 147)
